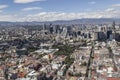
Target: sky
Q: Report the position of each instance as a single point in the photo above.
(51, 10)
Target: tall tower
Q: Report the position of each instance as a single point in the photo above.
(114, 30)
(113, 25)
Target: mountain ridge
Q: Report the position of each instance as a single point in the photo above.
(75, 21)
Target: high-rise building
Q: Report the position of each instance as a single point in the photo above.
(51, 29)
(109, 34)
(69, 30)
(101, 36)
(117, 36)
(95, 36)
(79, 33)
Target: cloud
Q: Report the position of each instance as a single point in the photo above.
(8, 18)
(31, 8)
(116, 5)
(93, 2)
(3, 6)
(26, 1)
(110, 9)
(52, 16)
(113, 8)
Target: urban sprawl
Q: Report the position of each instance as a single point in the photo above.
(60, 51)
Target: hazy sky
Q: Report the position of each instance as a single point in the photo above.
(50, 10)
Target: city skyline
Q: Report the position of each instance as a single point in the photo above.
(51, 10)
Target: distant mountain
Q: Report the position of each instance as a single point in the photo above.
(89, 21)
(76, 21)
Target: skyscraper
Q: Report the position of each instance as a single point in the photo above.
(109, 33)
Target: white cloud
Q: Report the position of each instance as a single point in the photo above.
(26, 1)
(116, 5)
(93, 2)
(3, 6)
(8, 18)
(52, 16)
(31, 8)
(110, 9)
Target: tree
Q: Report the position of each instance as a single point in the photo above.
(64, 50)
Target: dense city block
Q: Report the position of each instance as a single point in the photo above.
(60, 51)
